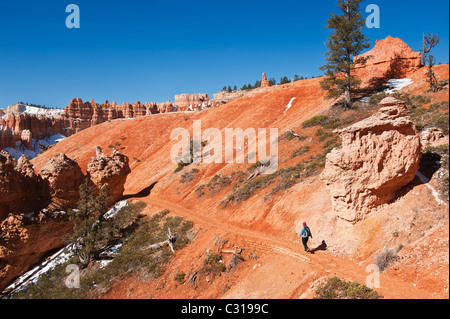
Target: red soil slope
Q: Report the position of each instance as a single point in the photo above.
(269, 227)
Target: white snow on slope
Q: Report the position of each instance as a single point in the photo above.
(58, 258)
(393, 85)
(397, 84)
(33, 110)
(17, 151)
(435, 194)
(289, 105)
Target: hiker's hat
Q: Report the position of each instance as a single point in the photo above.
(304, 223)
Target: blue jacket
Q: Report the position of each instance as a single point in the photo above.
(303, 233)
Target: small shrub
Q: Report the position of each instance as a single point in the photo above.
(179, 276)
(301, 151)
(323, 121)
(213, 264)
(335, 288)
(188, 176)
(385, 258)
(376, 98)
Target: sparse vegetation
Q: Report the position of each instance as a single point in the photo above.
(213, 264)
(180, 277)
(188, 176)
(336, 288)
(385, 258)
(133, 259)
(300, 151)
(323, 121)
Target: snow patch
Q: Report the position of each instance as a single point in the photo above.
(17, 151)
(59, 258)
(397, 84)
(435, 194)
(289, 104)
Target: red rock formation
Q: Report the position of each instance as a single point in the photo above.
(109, 170)
(20, 124)
(390, 58)
(165, 107)
(61, 179)
(196, 100)
(379, 155)
(10, 188)
(226, 97)
(264, 82)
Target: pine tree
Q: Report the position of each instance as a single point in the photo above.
(88, 236)
(345, 41)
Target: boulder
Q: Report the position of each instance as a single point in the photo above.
(433, 136)
(61, 179)
(109, 170)
(379, 156)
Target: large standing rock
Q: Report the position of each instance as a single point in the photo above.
(379, 155)
(112, 171)
(10, 187)
(61, 179)
(264, 82)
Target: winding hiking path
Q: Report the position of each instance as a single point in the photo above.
(324, 263)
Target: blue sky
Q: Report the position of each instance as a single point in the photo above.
(151, 50)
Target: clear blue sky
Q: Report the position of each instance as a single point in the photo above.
(151, 50)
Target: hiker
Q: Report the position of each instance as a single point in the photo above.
(305, 234)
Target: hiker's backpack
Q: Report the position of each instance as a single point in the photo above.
(308, 231)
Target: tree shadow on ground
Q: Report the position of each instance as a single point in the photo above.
(143, 193)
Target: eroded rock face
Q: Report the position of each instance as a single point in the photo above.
(61, 179)
(433, 136)
(379, 156)
(20, 124)
(10, 186)
(264, 82)
(109, 170)
(186, 100)
(391, 58)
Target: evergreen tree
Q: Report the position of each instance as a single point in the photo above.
(229, 89)
(244, 88)
(224, 88)
(345, 41)
(257, 84)
(88, 236)
(285, 80)
(235, 88)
